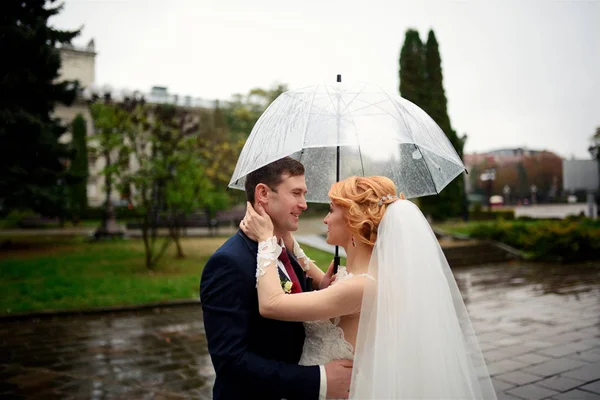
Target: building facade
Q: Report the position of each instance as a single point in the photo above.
(79, 63)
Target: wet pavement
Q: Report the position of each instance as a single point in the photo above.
(538, 326)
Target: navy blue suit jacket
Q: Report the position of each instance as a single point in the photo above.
(254, 357)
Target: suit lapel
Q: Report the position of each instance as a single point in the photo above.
(282, 275)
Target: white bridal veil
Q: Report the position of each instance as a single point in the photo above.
(415, 339)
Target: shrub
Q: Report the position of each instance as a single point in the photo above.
(479, 215)
(122, 213)
(14, 218)
(569, 240)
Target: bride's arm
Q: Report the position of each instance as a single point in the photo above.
(340, 299)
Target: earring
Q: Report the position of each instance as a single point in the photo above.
(353, 242)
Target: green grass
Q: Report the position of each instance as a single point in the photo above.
(321, 258)
(45, 273)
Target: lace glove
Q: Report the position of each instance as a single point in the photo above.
(301, 257)
(268, 251)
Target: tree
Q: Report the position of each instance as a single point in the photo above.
(594, 148)
(110, 123)
(412, 69)
(218, 146)
(32, 159)
(138, 170)
(167, 160)
(435, 103)
(79, 169)
(452, 200)
(190, 190)
(241, 114)
(223, 139)
(182, 185)
(421, 82)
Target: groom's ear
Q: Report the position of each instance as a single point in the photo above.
(261, 194)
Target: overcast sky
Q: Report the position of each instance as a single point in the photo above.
(516, 73)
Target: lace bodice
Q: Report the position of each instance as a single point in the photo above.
(325, 340)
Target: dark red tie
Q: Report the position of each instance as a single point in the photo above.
(283, 257)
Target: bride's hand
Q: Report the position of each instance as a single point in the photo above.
(288, 240)
(257, 224)
(328, 278)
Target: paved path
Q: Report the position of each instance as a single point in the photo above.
(555, 210)
(309, 225)
(539, 328)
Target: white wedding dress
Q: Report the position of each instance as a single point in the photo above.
(325, 340)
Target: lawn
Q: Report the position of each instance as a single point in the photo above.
(50, 273)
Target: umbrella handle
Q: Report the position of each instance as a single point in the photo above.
(336, 261)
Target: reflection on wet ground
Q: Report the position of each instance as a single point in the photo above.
(538, 325)
(159, 354)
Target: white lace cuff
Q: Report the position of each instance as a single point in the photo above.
(268, 251)
(301, 257)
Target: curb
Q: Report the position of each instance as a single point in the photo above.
(514, 252)
(98, 310)
(457, 236)
(511, 250)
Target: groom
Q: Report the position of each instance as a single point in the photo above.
(255, 357)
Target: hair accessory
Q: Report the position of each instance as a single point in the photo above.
(385, 198)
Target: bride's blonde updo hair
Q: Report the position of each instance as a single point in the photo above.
(364, 201)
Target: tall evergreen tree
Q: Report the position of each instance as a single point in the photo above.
(451, 201)
(32, 160)
(79, 169)
(594, 148)
(421, 81)
(436, 102)
(412, 69)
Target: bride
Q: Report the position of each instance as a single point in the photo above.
(394, 308)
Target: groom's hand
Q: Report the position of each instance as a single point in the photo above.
(339, 373)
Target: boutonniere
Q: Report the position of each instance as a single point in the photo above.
(287, 286)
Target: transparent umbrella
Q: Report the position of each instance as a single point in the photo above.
(341, 130)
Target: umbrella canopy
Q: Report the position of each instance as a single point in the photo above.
(375, 132)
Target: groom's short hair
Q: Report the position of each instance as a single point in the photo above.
(272, 175)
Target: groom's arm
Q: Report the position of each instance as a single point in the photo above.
(225, 297)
